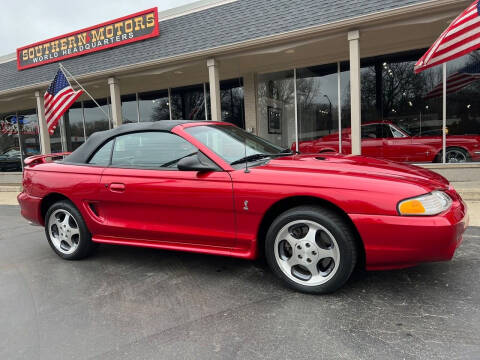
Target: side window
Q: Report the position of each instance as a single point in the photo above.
(384, 131)
(396, 133)
(102, 156)
(150, 150)
(369, 131)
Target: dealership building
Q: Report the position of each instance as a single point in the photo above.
(290, 71)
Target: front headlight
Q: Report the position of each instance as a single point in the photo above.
(429, 204)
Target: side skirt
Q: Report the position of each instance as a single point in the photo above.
(202, 249)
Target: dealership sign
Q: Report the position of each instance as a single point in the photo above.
(135, 27)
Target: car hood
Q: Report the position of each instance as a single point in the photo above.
(359, 166)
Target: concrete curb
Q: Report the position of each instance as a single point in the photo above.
(10, 188)
(8, 198)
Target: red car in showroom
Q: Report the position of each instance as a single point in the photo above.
(389, 141)
(212, 188)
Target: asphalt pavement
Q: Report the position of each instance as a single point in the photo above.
(133, 303)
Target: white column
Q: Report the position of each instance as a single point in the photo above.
(250, 101)
(205, 102)
(355, 92)
(214, 81)
(115, 101)
(42, 125)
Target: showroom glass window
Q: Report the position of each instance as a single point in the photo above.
(29, 133)
(317, 103)
(10, 154)
(129, 108)
(188, 103)
(56, 140)
(393, 93)
(95, 119)
(153, 105)
(463, 108)
(276, 108)
(231, 99)
(74, 126)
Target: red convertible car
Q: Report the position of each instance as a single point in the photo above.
(389, 141)
(212, 188)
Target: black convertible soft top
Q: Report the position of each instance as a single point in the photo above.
(83, 153)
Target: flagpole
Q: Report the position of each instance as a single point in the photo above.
(86, 92)
(444, 117)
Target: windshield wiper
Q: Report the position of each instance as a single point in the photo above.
(255, 157)
(252, 157)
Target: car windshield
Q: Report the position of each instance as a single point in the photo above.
(404, 130)
(235, 145)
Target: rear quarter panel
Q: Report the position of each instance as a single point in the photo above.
(78, 183)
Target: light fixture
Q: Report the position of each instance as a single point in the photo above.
(469, 106)
(289, 51)
(410, 103)
(427, 107)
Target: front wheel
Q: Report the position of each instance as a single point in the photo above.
(312, 249)
(66, 231)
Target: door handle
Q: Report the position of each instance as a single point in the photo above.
(117, 187)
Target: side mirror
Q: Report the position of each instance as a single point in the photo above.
(196, 162)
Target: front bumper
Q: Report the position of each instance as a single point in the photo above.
(393, 242)
(30, 208)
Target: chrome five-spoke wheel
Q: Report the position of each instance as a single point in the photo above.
(64, 231)
(307, 252)
(67, 232)
(311, 248)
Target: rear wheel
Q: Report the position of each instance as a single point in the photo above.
(312, 249)
(66, 231)
(454, 155)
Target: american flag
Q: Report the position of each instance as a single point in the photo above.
(460, 38)
(58, 99)
(458, 80)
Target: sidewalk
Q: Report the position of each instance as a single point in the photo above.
(469, 190)
(8, 194)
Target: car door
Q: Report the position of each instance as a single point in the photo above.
(145, 197)
(372, 141)
(397, 146)
(401, 147)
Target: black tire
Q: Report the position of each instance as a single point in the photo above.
(439, 157)
(338, 228)
(85, 246)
